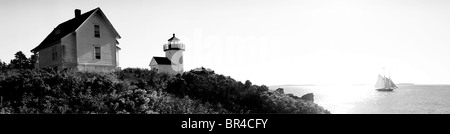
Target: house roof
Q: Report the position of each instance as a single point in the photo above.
(162, 61)
(66, 28)
(173, 38)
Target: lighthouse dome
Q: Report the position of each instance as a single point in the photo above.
(173, 39)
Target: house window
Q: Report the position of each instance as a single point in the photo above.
(54, 53)
(97, 53)
(97, 31)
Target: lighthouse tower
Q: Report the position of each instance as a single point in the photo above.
(173, 62)
(174, 52)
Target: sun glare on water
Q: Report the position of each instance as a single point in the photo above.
(338, 99)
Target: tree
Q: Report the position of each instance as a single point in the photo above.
(248, 84)
(20, 62)
(33, 59)
(3, 65)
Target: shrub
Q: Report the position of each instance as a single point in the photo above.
(208, 87)
(40, 91)
(141, 91)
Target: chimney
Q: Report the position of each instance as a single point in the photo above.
(77, 13)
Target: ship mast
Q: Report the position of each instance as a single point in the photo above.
(385, 80)
(389, 82)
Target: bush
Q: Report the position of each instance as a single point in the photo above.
(39, 91)
(140, 91)
(235, 96)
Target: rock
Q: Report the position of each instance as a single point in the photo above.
(293, 96)
(308, 97)
(280, 91)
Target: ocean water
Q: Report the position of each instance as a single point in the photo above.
(364, 99)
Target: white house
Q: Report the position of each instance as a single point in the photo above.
(87, 42)
(173, 62)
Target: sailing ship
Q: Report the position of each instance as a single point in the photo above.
(385, 84)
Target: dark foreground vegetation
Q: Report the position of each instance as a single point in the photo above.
(140, 91)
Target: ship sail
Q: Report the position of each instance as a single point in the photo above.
(385, 83)
(380, 82)
(391, 84)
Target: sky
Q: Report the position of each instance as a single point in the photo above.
(270, 42)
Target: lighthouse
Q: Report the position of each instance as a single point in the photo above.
(173, 62)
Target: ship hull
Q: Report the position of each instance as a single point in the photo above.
(385, 89)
